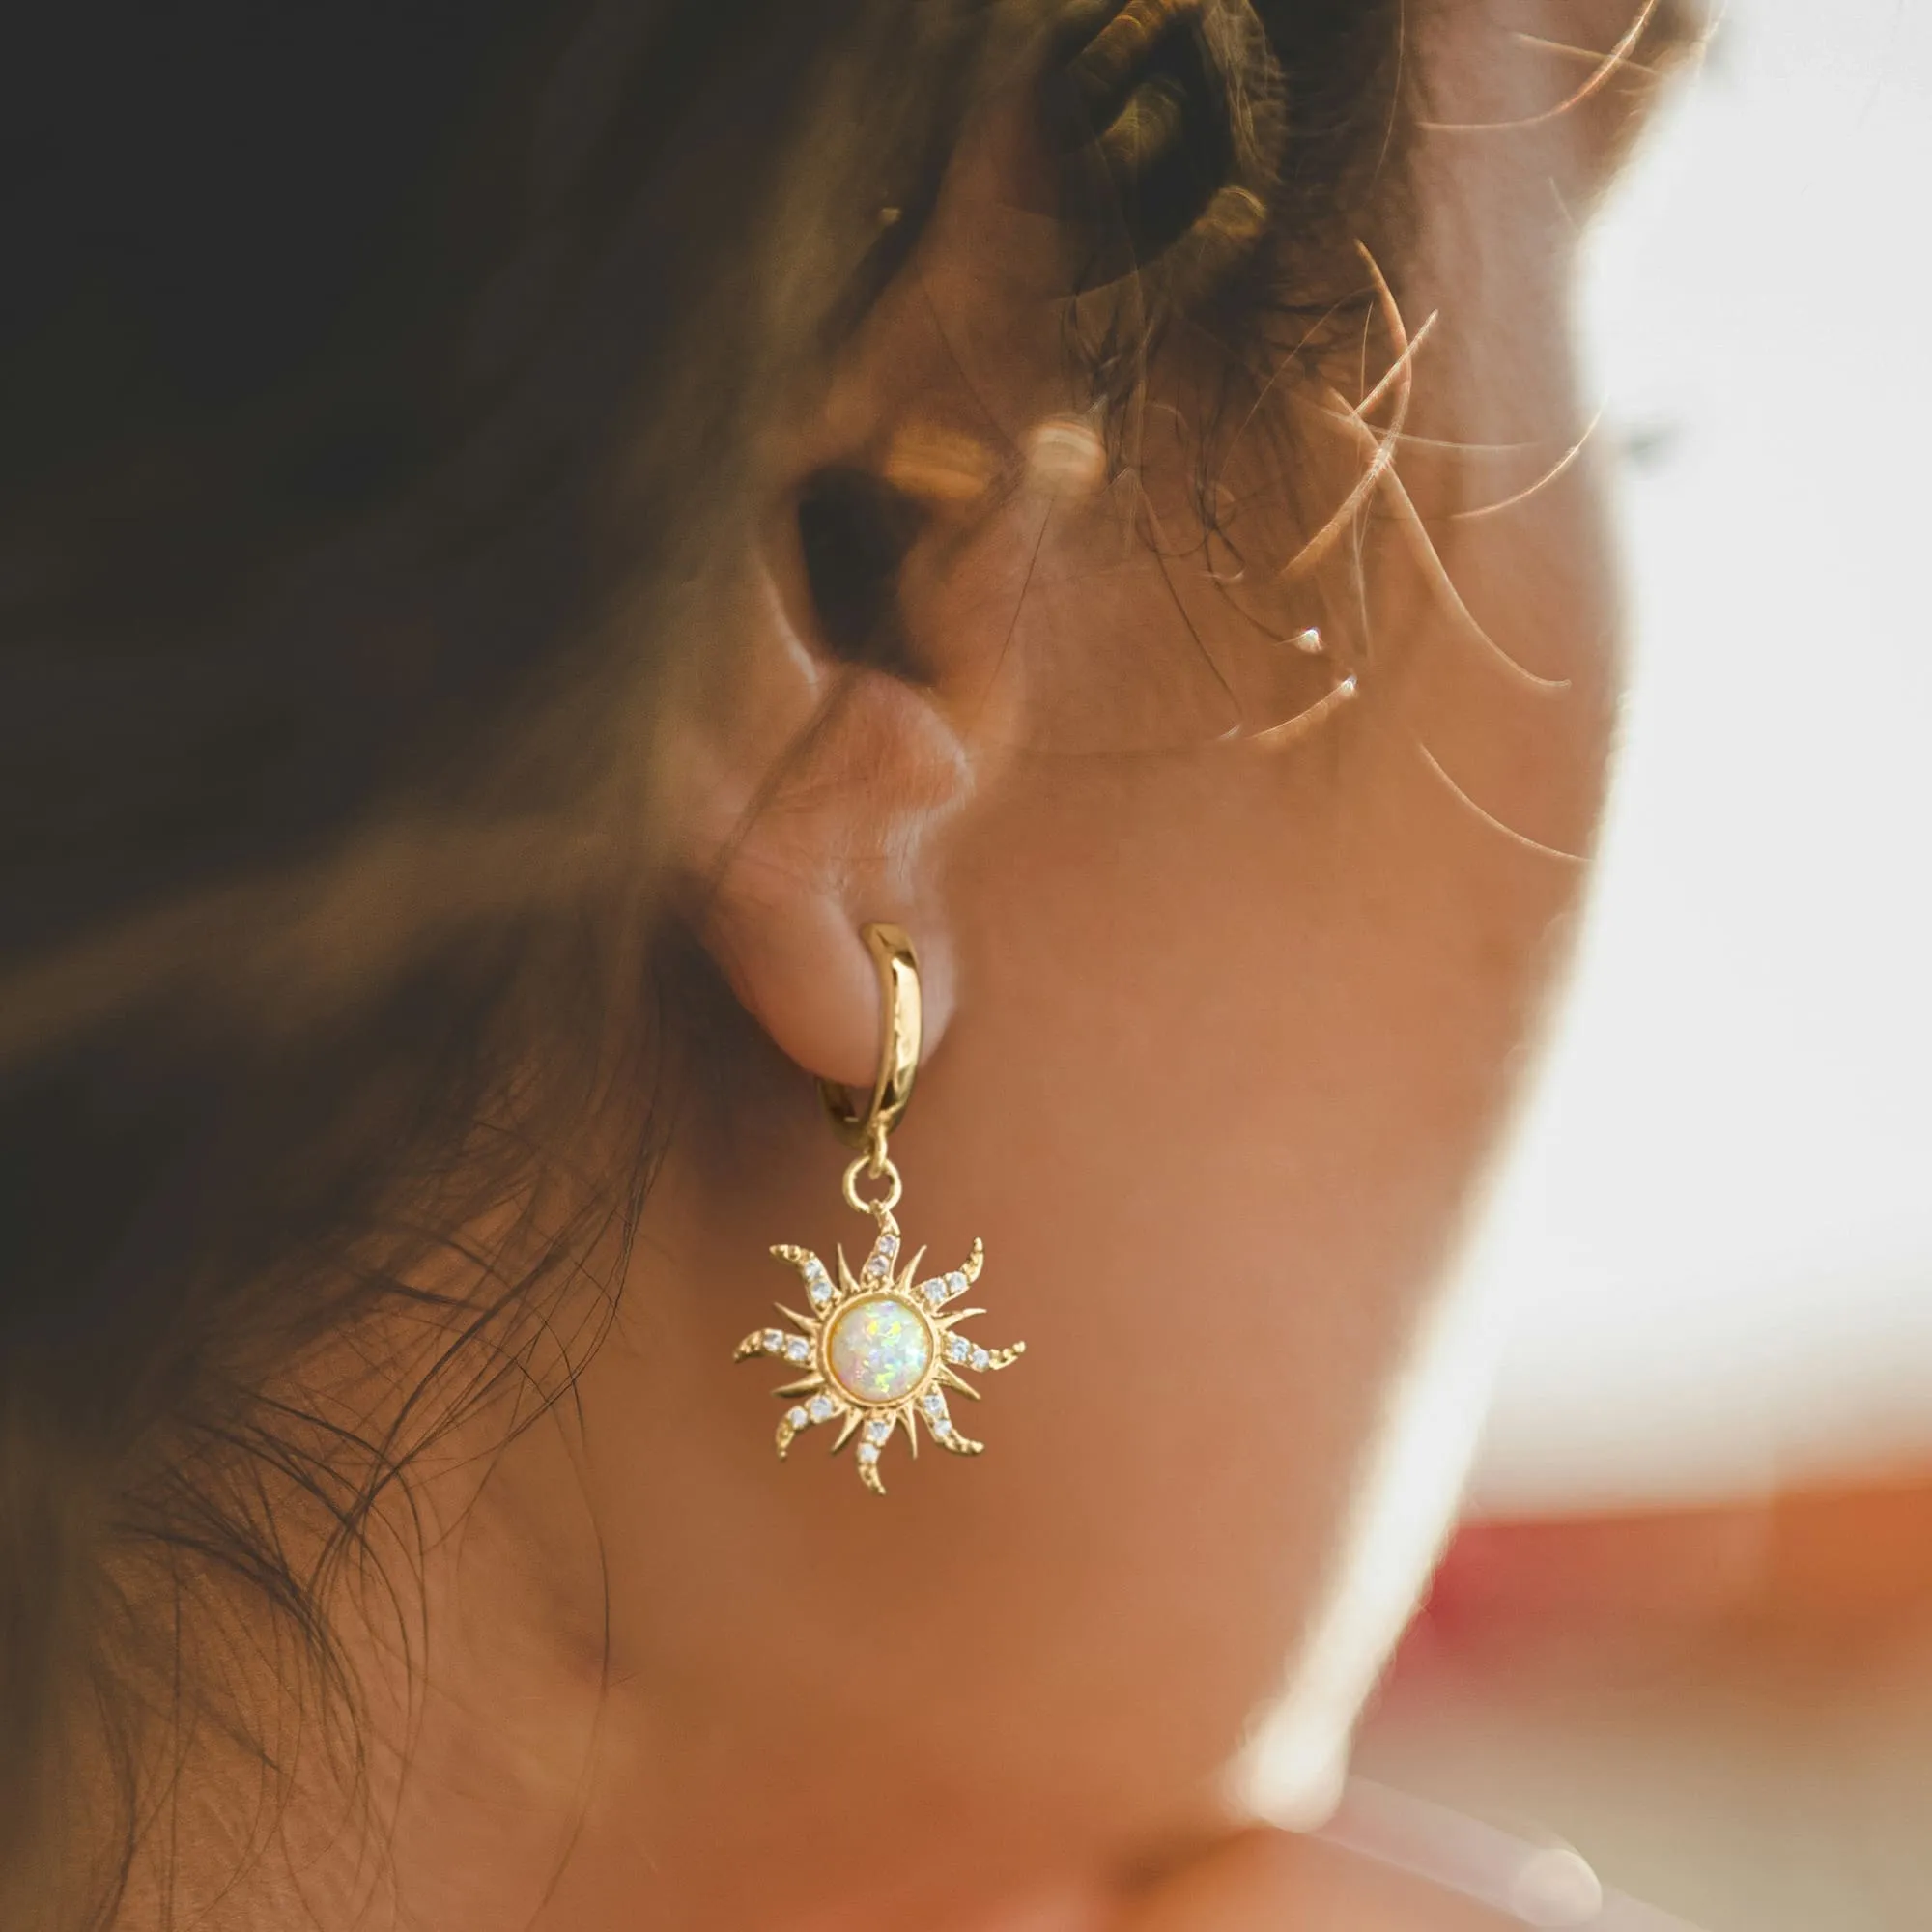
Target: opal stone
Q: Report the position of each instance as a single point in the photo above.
(879, 1349)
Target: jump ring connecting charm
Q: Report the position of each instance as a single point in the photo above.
(880, 1350)
(883, 1204)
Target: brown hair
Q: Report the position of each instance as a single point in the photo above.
(380, 384)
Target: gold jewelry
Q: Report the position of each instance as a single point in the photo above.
(879, 1352)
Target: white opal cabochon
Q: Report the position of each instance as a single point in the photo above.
(878, 1350)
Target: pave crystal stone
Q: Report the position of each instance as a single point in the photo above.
(820, 1408)
(774, 1341)
(933, 1402)
(798, 1350)
(880, 1350)
(934, 1290)
(957, 1348)
(955, 1283)
(820, 1291)
(868, 1452)
(798, 1418)
(878, 1430)
(980, 1358)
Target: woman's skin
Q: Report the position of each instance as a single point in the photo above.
(1225, 1024)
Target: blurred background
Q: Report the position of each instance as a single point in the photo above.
(1689, 1629)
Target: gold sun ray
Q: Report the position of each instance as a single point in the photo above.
(959, 1444)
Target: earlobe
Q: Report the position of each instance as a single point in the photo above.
(789, 946)
(796, 962)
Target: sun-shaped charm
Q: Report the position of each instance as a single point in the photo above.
(879, 1351)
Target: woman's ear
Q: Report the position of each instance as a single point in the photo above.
(915, 504)
(868, 639)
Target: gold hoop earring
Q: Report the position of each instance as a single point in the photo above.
(879, 1351)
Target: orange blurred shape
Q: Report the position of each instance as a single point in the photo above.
(1817, 1564)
